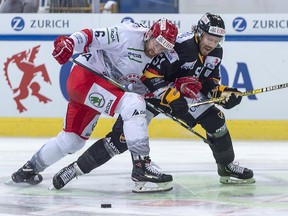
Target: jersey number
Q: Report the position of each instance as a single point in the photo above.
(158, 60)
(87, 56)
(99, 33)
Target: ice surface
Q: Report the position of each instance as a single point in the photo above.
(197, 190)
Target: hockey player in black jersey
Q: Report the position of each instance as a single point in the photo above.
(185, 75)
(193, 66)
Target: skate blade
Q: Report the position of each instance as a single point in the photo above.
(232, 180)
(9, 182)
(150, 187)
(51, 187)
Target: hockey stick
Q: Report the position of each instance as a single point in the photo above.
(265, 89)
(247, 93)
(182, 123)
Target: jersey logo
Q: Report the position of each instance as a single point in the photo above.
(188, 65)
(24, 61)
(207, 72)
(113, 35)
(97, 100)
(211, 62)
(122, 138)
(112, 145)
(134, 55)
(129, 78)
(136, 112)
(171, 55)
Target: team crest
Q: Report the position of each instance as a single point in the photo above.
(122, 138)
(221, 114)
(28, 85)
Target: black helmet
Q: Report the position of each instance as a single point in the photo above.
(211, 24)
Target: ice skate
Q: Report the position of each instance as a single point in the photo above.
(148, 178)
(65, 175)
(26, 174)
(234, 174)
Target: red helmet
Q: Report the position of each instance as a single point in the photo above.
(165, 32)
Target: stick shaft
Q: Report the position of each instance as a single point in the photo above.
(265, 89)
(247, 93)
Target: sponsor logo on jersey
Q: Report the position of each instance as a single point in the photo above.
(136, 112)
(109, 104)
(172, 56)
(211, 62)
(130, 78)
(184, 36)
(112, 146)
(222, 129)
(188, 65)
(207, 72)
(29, 84)
(97, 100)
(134, 55)
(114, 34)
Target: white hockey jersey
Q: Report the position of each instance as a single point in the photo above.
(116, 52)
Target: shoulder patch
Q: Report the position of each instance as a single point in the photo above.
(181, 37)
(172, 56)
(211, 62)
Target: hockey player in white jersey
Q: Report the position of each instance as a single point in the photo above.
(121, 53)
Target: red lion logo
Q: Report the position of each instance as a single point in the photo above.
(25, 63)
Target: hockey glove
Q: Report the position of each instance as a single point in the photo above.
(63, 49)
(231, 96)
(188, 86)
(173, 99)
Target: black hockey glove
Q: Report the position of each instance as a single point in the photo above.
(173, 99)
(231, 96)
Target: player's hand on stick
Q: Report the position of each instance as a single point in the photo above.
(177, 103)
(231, 96)
(63, 49)
(188, 86)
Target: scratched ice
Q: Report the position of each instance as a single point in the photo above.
(197, 190)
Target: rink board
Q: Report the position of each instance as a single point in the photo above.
(247, 64)
(159, 128)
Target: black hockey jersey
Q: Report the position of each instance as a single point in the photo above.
(184, 60)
